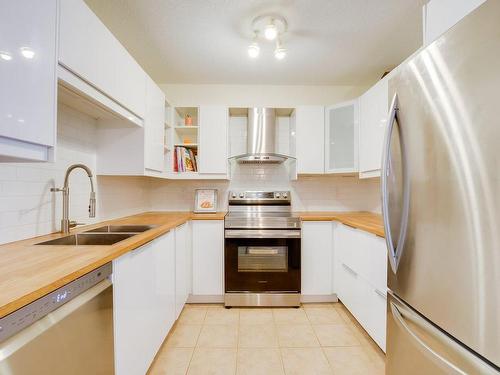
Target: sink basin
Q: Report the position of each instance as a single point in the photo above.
(89, 239)
(122, 229)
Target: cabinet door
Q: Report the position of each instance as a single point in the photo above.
(163, 249)
(154, 127)
(89, 50)
(133, 310)
(341, 138)
(373, 108)
(317, 251)
(440, 15)
(181, 267)
(130, 84)
(309, 139)
(86, 46)
(213, 154)
(208, 257)
(28, 78)
(144, 309)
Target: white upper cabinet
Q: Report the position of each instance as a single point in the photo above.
(213, 140)
(309, 122)
(373, 108)
(154, 129)
(28, 37)
(341, 138)
(440, 15)
(89, 50)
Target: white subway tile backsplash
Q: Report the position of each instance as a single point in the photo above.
(28, 208)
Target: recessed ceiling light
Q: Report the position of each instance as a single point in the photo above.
(271, 31)
(253, 50)
(5, 56)
(27, 52)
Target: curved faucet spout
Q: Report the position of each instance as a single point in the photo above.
(66, 224)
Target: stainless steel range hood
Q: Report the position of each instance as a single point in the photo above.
(261, 138)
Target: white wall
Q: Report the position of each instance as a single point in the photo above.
(28, 208)
(258, 95)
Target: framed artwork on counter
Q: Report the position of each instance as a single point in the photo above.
(205, 200)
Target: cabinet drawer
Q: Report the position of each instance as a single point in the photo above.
(365, 302)
(350, 291)
(376, 325)
(364, 253)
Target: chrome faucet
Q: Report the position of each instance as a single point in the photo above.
(66, 224)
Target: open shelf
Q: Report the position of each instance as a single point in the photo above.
(187, 145)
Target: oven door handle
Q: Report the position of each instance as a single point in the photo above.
(261, 233)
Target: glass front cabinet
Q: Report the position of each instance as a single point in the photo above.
(341, 137)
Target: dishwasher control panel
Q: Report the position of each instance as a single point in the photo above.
(29, 314)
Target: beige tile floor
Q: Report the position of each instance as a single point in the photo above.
(314, 339)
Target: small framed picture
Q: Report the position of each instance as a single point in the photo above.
(205, 200)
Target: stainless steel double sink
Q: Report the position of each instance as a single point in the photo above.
(105, 235)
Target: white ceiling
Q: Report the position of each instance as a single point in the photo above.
(330, 42)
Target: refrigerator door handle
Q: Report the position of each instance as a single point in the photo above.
(394, 252)
(401, 313)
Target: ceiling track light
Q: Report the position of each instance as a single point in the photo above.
(280, 51)
(271, 31)
(271, 27)
(254, 49)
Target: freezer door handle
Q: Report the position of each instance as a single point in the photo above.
(394, 251)
(402, 314)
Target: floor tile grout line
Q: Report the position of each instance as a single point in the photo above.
(196, 343)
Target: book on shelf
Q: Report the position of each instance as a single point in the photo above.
(185, 159)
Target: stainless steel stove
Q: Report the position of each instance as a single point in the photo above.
(262, 250)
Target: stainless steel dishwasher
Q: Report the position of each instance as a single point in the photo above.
(68, 331)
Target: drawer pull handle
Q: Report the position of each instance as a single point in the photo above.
(381, 294)
(350, 270)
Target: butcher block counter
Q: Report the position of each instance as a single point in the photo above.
(367, 221)
(29, 271)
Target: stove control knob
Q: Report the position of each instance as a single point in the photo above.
(242, 195)
(277, 195)
(233, 195)
(285, 195)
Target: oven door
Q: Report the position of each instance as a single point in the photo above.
(262, 260)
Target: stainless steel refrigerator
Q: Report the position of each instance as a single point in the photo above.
(441, 203)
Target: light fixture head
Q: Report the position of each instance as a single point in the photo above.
(5, 56)
(280, 51)
(271, 31)
(253, 50)
(27, 52)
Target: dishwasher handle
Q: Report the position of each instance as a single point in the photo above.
(24, 337)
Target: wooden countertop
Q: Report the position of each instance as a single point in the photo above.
(29, 271)
(366, 221)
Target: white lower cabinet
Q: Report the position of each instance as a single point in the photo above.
(144, 303)
(182, 267)
(361, 278)
(316, 259)
(208, 257)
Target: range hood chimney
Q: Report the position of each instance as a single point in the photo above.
(261, 138)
